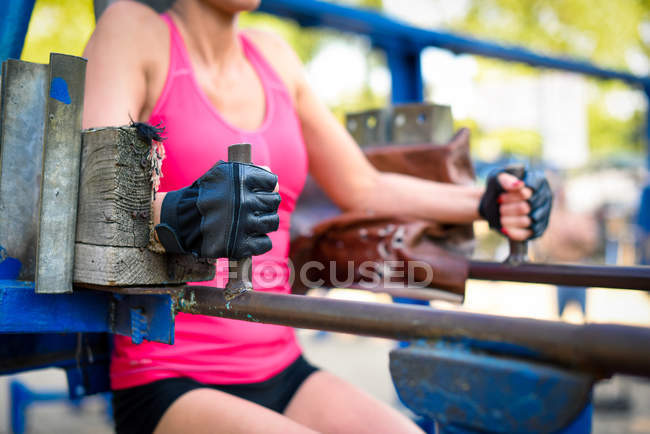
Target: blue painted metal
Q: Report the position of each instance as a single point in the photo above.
(643, 215)
(643, 227)
(14, 20)
(384, 31)
(138, 325)
(21, 397)
(148, 317)
(24, 311)
(9, 267)
(59, 90)
(406, 73)
(89, 378)
(26, 351)
(472, 391)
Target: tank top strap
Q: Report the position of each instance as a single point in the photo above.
(179, 62)
(264, 70)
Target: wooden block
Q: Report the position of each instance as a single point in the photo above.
(113, 222)
(133, 266)
(115, 190)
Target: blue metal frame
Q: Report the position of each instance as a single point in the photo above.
(22, 310)
(390, 34)
(464, 389)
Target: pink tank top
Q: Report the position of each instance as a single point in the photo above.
(207, 349)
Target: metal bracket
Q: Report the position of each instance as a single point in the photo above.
(402, 125)
(40, 145)
(149, 316)
(465, 390)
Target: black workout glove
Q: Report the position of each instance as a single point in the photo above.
(226, 213)
(540, 202)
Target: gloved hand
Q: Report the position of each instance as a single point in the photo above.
(226, 213)
(540, 201)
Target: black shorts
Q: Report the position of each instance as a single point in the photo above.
(139, 409)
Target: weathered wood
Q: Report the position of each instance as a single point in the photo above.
(115, 189)
(132, 266)
(113, 245)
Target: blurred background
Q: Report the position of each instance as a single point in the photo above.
(588, 134)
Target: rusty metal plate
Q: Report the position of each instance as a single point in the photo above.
(421, 123)
(368, 127)
(402, 124)
(60, 181)
(22, 114)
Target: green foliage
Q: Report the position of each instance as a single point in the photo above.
(600, 31)
(604, 32)
(489, 145)
(305, 42)
(308, 41)
(609, 135)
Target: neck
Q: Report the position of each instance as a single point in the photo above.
(209, 33)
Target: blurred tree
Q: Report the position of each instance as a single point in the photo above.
(307, 42)
(606, 32)
(609, 135)
(60, 26)
(614, 34)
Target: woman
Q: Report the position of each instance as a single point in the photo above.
(211, 85)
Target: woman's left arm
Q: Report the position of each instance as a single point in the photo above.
(348, 178)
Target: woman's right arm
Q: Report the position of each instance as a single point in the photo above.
(127, 66)
(118, 65)
(124, 53)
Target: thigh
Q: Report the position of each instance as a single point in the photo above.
(329, 404)
(212, 411)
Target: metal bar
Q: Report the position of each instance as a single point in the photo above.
(22, 115)
(239, 270)
(425, 294)
(60, 180)
(383, 30)
(518, 249)
(406, 75)
(603, 348)
(561, 274)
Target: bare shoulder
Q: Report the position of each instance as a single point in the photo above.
(280, 55)
(128, 56)
(128, 27)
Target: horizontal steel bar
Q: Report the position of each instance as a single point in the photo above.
(564, 274)
(385, 31)
(601, 348)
